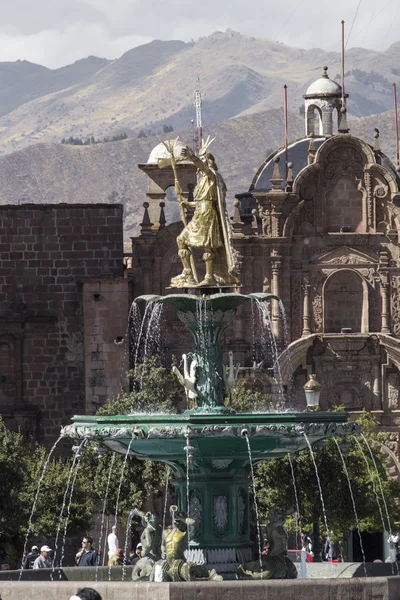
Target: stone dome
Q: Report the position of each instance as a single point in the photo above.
(324, 87)
(160, 151)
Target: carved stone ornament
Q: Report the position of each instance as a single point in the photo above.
(317, 312)
(221, 463)
(344, 161)
(241, 510)
(393, 391)
(220, 512)
(196, 510)
(344, 256)
(395, 304)
(218, 431)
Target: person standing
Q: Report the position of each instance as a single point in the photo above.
(43, 561)
(88, 557)
(393, 542)
(113, 543)
(29, 558)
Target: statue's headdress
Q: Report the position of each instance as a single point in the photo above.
(206, 144)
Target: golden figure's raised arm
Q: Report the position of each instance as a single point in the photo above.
(187, 153)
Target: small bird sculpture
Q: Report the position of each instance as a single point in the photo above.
(189, 377)
(230, 375)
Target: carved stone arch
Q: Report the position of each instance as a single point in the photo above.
(340, 142)
(390, 179)
(289, 224)
(347, 317)
(392, 462)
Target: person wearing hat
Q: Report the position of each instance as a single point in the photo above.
(30, 557)
(43, 561)
(138, 555)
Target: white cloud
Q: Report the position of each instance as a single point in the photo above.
(58, 32)
(54, 48)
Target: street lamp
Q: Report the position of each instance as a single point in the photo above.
(312, 390)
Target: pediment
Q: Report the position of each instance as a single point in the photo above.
(344, 256)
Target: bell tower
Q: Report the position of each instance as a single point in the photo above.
(322, 98)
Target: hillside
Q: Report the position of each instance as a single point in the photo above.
(152, 85)
(48, 172)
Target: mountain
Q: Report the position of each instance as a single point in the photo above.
(51, 173)
(23, 81)
(153, 85)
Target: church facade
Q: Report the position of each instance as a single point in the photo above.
(320, 228)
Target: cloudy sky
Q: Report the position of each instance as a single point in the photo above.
(57, 32)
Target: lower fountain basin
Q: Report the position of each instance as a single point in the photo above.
(161, 437)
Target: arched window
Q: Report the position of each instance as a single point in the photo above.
(172, 210)
(345, 302)
(314, 120)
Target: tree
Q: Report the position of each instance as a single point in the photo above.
(21, 466)
(274, 483)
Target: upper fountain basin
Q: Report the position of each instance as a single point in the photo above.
(220, 301)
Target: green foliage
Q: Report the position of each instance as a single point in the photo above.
(131, 481)
(154, 389)
(275, 484)
(245, 400)
(21, 464)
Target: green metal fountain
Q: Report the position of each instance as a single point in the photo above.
(210, 439)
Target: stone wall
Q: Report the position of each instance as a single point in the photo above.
(48, 255)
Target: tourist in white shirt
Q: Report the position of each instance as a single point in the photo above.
(112, 542)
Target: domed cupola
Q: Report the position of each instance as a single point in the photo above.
(321, 99)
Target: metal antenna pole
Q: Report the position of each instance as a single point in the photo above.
(285, 111)
(396, 125)
(199, 124)
(343, 94)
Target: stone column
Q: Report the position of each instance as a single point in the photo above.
(306, 308)
(276, 265)
(385, 306)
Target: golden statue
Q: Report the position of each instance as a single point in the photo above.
(173, 566)
(209, 228)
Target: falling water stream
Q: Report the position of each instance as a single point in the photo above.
(372, 481)
(303, 571)
(128, 528)
(121, 479)
(79, 456)
(354, 504)
(45, 465)
(131, 333)
(286, 341)
(70, 474)
(152, 341)
(381, 488)
(268, 343)
(104, 511)
(149, 307)
(166, 498)
(188, 449)
(318, 481)
(253, 481)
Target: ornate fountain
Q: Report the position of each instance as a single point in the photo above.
(209, 440)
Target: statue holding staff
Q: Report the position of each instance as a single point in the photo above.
(209, 228)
